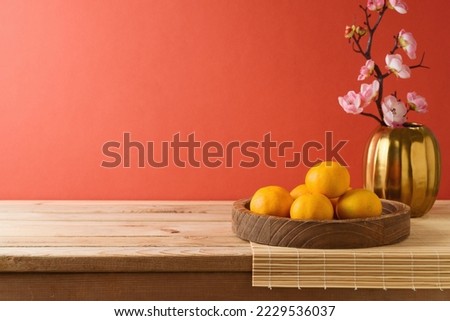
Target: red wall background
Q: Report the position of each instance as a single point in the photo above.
(78, 73)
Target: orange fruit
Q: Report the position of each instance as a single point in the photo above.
(271, 200)
(299, 190)
(328, 178)
(313, 206)
(358, 203)
(334, 203)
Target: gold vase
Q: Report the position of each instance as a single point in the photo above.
(404, 164)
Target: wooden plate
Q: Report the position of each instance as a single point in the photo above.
(391, 227)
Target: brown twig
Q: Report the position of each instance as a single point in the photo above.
(420, 64)
(367, 53)
(373, 116)
(395, 45)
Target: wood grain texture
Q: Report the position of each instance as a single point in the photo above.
(391, 227)
(150, 250)
(187, 286)
(120, 236)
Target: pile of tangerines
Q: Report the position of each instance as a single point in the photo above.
(325, 194)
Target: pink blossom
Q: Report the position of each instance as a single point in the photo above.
(417, 102)
(407, 42)
(366, 70)
(369, 92)
(395, 64)
(394, 111)
(375, 5)
(398, 5)
(351, 103)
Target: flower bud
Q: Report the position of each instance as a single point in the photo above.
(350, 31)
(360, 31)
(375, 5)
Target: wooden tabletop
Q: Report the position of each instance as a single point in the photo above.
(58, 239)
(120, 236)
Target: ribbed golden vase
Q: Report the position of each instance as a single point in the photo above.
(404, 164)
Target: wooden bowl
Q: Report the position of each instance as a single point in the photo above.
(391, 227)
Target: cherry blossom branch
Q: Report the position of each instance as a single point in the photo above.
(358, 45)
(368, 52)
(387, 74)
(395, 45)
(374, 117)
(420, 64)
(355, 35)
(391, 110)
(381, 14)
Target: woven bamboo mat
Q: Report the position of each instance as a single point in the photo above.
(420, 262)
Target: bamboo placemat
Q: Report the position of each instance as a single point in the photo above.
(420, 262)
